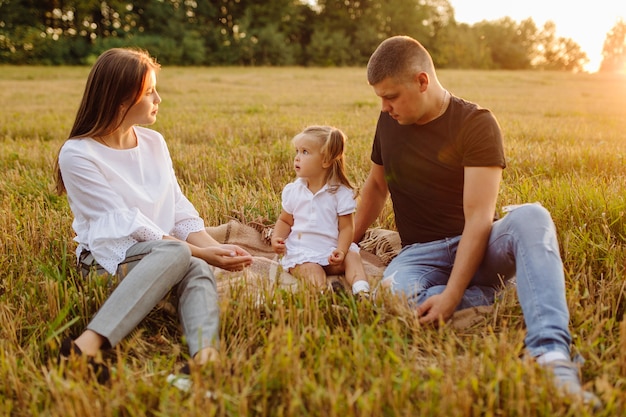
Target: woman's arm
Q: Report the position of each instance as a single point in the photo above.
(225, 256)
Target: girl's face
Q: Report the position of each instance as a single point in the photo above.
(145, 110)
(309, 161)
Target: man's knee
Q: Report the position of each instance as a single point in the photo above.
(528, 214)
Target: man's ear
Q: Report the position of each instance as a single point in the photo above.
(422, 79)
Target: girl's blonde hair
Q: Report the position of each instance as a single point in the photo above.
(332, 142)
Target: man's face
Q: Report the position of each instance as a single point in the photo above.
(403, 100)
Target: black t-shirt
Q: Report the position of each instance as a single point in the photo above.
(424, 167)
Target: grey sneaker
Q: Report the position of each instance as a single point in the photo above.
(182, 381)
(567, 379)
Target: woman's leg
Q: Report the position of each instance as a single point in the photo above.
(198, 309)
(148, 280)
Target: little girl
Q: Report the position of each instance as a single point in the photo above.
(315, 228)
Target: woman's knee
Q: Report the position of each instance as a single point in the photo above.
(199, 274)
(201, 269)
(173, 252)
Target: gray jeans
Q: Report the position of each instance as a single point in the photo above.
(150, 271)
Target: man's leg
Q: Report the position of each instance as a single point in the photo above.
(423, 269)
(524, 244)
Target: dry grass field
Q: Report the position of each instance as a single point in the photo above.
(296, 354)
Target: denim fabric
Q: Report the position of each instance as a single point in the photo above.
(522, 245)
(153, 269)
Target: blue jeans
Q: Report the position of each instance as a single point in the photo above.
(151, 270)
(522, 245)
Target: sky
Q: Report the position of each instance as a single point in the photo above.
(585, 22)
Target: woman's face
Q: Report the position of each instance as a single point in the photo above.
(145, 110)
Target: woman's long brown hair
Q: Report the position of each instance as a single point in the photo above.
(115, 83)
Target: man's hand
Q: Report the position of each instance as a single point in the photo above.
(439, 307)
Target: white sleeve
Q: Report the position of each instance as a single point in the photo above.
(287, 202)
(346, 204)
(187, 219)
(102, 220)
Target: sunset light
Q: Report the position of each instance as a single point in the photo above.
(586, 24)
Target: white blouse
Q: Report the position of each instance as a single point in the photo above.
(121, 197)
(315, 229)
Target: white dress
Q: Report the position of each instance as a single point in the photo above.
(121, 197)
(315, 227)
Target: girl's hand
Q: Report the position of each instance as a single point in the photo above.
(337, 257)
(229, 257)
(278, 244)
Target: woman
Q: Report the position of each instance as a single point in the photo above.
(130, 217)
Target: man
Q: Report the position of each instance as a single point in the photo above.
(441, 160)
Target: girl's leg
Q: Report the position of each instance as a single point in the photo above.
(355, 273)
(311, 273)
(354, 270)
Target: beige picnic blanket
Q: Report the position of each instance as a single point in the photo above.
(378, 248)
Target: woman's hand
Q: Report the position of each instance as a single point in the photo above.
(229, 257)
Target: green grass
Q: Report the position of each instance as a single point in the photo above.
(229, 132)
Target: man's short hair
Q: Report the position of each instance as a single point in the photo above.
(398, 57)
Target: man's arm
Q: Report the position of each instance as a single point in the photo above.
(480, 192)
(372, 200)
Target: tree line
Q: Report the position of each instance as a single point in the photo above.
(273, 32)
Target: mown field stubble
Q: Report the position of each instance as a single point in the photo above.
(229, 132)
